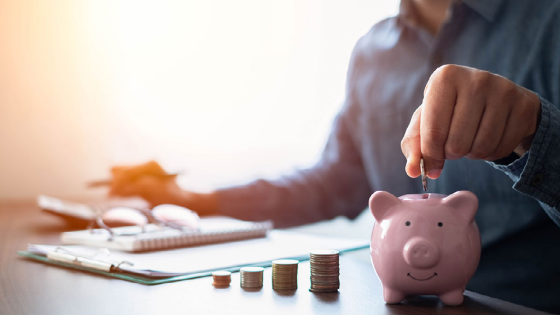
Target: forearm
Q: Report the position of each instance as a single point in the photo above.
(304, 197)
(204, 204)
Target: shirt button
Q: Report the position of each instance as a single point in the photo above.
(536, 180)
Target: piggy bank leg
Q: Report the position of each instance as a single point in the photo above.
(454, 297)
(392, 296)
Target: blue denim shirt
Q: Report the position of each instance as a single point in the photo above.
(390, 66)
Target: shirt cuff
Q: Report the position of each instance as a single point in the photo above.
(513, 169)
(537, 173)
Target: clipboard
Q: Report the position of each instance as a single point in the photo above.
(152, 281)
(276, 240)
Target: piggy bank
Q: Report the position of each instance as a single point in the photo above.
(426, 244)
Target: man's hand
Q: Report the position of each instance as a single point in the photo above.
(148, 181)
(472, 113)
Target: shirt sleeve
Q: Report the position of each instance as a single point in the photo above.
(537, 173)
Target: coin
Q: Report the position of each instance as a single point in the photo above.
(325, 270)
(424, 178)
(284, 274)
(320, 252)
(251, 277)
(222, 278)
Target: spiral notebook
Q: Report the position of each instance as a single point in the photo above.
(153, 237)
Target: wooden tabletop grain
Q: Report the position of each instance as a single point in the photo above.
(29, 287)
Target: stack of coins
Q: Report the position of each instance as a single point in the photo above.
(324, 270)
(284, 274)
(222, 278)
(251, 277)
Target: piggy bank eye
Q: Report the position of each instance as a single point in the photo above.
(440, 224)
(407, 223)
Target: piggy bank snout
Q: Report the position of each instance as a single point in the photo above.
(421, 253)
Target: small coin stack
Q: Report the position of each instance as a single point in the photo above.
(325, 270)
(251, 277)
(222, 278)
(284, 274)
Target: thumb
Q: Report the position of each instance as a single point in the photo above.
(410, 145)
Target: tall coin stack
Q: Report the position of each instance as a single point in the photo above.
(251, 277)
(284, 274)
(222, 278)
(325, 270)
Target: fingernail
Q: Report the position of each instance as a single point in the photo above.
(434, 173)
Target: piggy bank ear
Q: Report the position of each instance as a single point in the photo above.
(380, 202)
(463, 201)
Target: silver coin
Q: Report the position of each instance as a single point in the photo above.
(288, 262)
(252, 269)
(221, 273)
(424, 177)
(319, 252)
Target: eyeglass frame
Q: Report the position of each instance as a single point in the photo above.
(99, 221)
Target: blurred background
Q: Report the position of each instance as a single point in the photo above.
(225, 90)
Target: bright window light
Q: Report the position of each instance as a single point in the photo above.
(225, 90)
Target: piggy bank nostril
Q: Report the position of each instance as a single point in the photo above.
(421, 250)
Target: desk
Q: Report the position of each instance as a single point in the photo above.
(28, 287)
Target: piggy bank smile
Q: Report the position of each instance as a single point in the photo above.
(420, 279)
(417, 237)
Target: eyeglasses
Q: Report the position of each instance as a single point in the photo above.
(166, 215)
(107, 217)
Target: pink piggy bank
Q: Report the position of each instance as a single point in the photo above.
(426, 244)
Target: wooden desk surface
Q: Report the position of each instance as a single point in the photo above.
(28, 287)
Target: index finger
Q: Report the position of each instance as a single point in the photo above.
(410, 144)
(437, 110)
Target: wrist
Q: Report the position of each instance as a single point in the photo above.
(525, 144)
